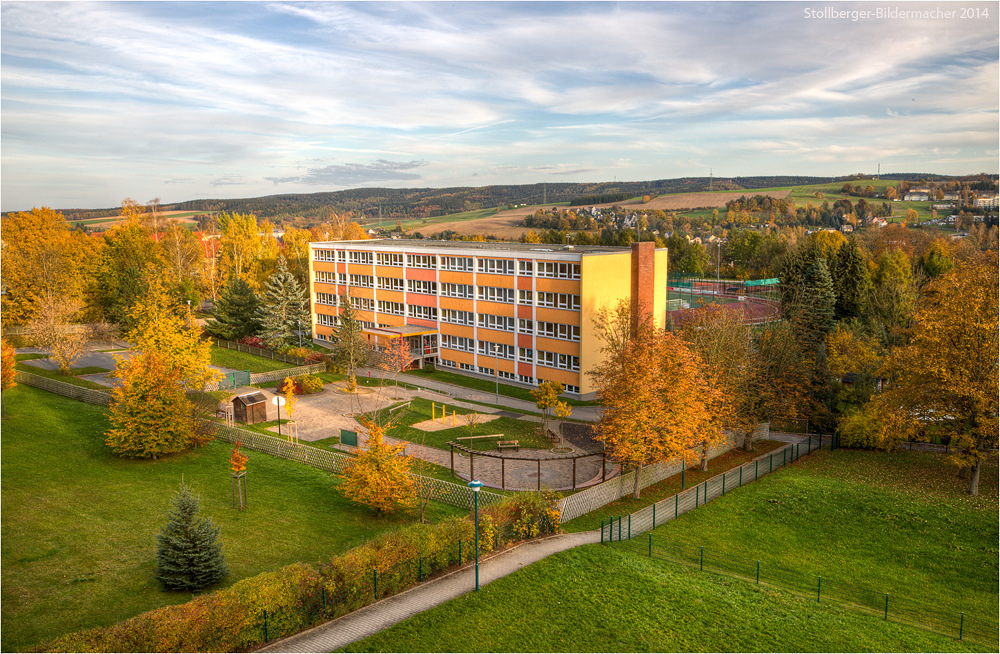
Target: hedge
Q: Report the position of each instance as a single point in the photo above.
(295, 597)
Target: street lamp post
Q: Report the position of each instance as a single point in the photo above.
(718, 264)
(496, 373)
(475, 486)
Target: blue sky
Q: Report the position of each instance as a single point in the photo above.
(185, 100)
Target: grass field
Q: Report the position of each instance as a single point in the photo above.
(670, 486)
(600, 599)
(58, 376)
(898, 522)
(419, 410)
(79, 525)
(236, 360)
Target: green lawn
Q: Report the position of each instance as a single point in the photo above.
(237, 360)
(527, 433)
(480, 384)
(895, 523)
(669, 487)
(600, 599)
(79, 525)
(69, 379)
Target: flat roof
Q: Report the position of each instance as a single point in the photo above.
(402, 330)
(501, 246)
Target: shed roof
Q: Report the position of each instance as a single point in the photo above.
(251, 398)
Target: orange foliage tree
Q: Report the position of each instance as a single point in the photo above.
(659, 404)
(7, 362)
(380, 475)
(944, 381)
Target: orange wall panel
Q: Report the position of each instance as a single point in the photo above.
(455, 277)
(556, 345)
(501, 281)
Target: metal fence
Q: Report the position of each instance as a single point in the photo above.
(595, 497)
(440, 491)
(647, 519)
(825, 588)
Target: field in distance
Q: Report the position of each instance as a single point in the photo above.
(506, 224)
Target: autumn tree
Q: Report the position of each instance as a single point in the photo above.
(240, 248)
(546, 398)
(235, 312)
(129, 258)
(189, 554)
(41, 258)
(296, 252)
(856, 355)
(395, 358)
(150, 415)
(761, 372)
(165, 327)
(7, 362)
(284, 307)
(892, 298)
(350, 347)
(379, 477)
(182, 255)
(658, 404)
(52, 329)
(944, 380)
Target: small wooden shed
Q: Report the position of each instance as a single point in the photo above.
(250, 408)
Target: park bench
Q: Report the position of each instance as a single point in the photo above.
(506, 445)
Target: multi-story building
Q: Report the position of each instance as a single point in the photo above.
(519, 312)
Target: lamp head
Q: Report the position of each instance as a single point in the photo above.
(475, 485)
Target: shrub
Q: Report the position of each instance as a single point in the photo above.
(253, 341)
(232, 619)
(310, 383)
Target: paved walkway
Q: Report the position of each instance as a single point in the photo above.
(383, 614)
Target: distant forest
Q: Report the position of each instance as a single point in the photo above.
(390, 204)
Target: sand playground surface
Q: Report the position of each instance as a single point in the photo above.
(454, 421)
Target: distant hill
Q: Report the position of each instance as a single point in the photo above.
(392, 204)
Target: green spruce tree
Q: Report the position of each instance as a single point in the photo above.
(284, 307)
(813, 313)
(851, 281)
(235, 312)
(189, 554)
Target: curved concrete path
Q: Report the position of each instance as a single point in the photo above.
(383, 614)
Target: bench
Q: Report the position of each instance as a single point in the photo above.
(472, 438)
(506, 445)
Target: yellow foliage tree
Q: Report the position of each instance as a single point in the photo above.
(51, 329)
(658, 402)
(380, 475)
(167, 328)
(944, 381)
(149, 413)
(7, 363)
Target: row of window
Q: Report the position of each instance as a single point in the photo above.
(484, 293)
(463, 264)
(524, 379)
(501, 351)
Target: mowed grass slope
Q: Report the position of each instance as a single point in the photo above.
(600, 599)
(80, 525)
(898, 523)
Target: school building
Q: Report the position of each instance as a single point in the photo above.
(519, 312)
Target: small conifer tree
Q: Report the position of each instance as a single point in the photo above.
(189, 554)
(235, 312)
(284, 307)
